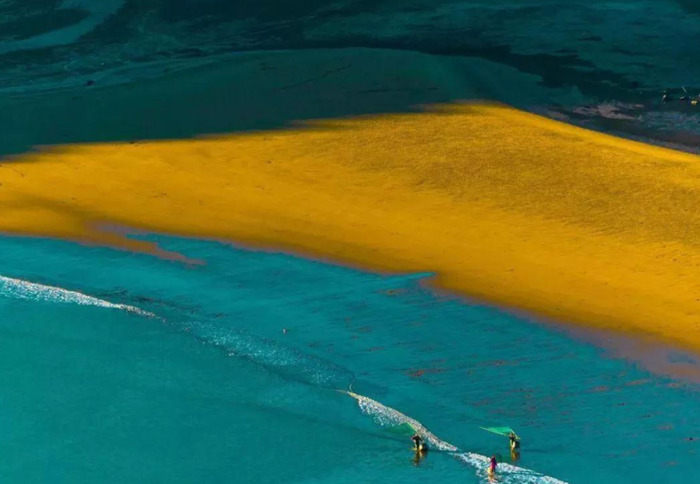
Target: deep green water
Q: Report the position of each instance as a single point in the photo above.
(603, 48)
(595, 63)
(190, 377)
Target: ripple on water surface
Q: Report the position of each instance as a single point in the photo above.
(243, 359)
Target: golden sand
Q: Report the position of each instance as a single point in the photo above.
(505, 206)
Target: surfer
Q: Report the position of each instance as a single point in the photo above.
(418, 444)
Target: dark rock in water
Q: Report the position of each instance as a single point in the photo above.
(89, 82)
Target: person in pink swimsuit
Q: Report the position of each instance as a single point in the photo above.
(492, 465)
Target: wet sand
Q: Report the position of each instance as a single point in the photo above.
(504, 206)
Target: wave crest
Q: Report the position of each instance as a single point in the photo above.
(507, 473)
(19, 289)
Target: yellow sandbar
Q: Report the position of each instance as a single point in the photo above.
(503, 205)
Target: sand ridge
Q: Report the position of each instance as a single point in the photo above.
(502, 205)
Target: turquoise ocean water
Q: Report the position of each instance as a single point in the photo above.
(120, 367)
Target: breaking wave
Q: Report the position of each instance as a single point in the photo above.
(289, 363)
(507, 473)
(19, 289)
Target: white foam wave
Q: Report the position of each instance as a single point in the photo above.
(272, 355)
(507, 473)
(19, 289)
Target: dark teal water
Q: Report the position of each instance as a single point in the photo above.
(607, 50)
(594, 63)
(155, 371)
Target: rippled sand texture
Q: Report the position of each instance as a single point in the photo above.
(502, 205)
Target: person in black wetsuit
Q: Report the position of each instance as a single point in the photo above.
(514, 447)
(419, 447)
(514, 442)
(418, 444)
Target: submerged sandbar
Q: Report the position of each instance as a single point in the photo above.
(506, 206)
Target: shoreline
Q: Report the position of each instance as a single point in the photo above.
(458, 78)
(504, 206)
(526, 259)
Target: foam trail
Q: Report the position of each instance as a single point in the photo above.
(20, 289)
(507, 473)
(281, 359)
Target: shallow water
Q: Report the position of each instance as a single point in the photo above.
(151, 370)
(117, 367)
(602, 48)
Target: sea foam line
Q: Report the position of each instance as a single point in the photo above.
(19, 289)
(273, 356)
(507, 473)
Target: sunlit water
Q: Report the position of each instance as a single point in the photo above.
(117, 367)
(127, 368)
